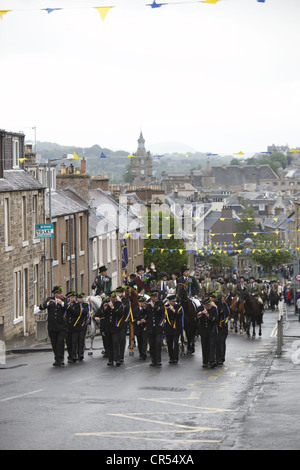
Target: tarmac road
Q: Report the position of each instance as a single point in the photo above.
(249, 403)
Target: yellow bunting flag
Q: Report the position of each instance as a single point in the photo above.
(3, 12)
(103, 11)
(22, 159)
(210, 1)
(239, 153)
(76, 156)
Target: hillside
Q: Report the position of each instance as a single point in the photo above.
(115, 165)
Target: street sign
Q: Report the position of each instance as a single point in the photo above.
(44, 231)
(297, 277)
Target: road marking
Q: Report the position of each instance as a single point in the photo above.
(20, 396)
(204, 408)
(274, 331)
(182, 426)
(118, 435)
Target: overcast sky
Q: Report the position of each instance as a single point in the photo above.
(216, 78)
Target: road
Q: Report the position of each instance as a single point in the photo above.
(89, 405)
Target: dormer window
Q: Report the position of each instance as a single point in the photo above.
(15, 152)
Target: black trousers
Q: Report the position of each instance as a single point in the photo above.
(78, 344)
(155, 345)
(123, 340)
(142, 337)
(208, 345)
(173, 346)
(57, 339)
(221, 345)
(113, 346)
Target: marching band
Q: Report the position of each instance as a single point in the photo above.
(157, 315)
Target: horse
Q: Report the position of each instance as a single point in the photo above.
(273, 299)
(190, 317)
(253, 313)
(133, 296)
(95, 303)
(237, 310)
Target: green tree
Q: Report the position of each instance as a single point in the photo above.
(158, 249)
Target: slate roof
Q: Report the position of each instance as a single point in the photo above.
(18, 180)
(62, 203)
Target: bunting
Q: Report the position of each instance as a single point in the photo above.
(103, 10)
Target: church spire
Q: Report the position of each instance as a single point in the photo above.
(141, 142)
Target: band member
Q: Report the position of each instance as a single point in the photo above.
(208, 316)
(71, 297)
(140, 326)
(79, 315)
(155, 326)
(173, 327)
(57, 323)
(116, 314)
(125, 320)
(102, 282)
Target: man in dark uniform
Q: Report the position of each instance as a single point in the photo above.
(102, 283)
(102, 316)
(155, 326)
(173, 327)
(140, 326)
(116, 315)
(124, 323)
(208, 316)
(57, 323)
(79, 315)
(71, 297)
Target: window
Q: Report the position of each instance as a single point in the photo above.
(95, 257)
(15, 152)
(36, 284)
(113, 245)
(24, 219)
(80, 234)
(100, 258)
(34, 215)
(17, 295)
(7, 222)
(108, 247)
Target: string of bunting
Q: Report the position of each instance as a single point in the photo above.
(103, 10)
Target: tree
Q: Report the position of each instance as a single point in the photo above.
(158, 249)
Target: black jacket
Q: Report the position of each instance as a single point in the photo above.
(174, 320)
(155, 317)
(57, 318)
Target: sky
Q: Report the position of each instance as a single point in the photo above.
(219, 78)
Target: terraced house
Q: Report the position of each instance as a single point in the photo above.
(22, 254)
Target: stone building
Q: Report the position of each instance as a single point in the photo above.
(141, 165)
(22, 254)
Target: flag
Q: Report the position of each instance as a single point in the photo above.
(103, 11)
(124, 256)
(50, 10)
(155, 5)
(103, 155)
(3, 12)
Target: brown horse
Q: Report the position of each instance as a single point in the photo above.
(237, 309)
(133, 296)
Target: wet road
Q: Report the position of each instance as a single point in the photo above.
(134, 407)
